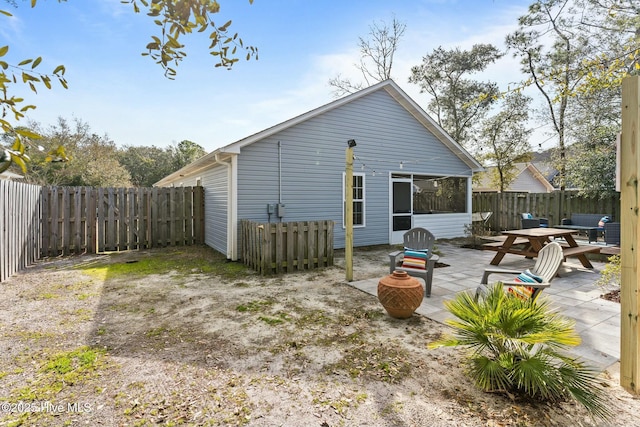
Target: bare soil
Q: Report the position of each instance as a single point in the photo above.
(182, 337)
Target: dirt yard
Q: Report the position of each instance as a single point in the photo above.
(182, 337)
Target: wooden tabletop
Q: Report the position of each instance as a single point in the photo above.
(540, 232)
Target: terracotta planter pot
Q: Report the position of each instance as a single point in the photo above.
(400, 294)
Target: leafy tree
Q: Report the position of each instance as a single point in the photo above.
(613, 28)
(594, 123)
(27, 72)
(92, 159)
(457, 101)
(553, 69)
(184, 153)
(146, 165)
(572, 49)
(175, 19)
(517, 347)
(506, 138)
(376, 57)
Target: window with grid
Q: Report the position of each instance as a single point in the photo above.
(358, 201)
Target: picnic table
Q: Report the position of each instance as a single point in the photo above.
(527, 242)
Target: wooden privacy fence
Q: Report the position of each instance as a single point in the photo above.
(89, 220)
(20, 234)
(284, 247)
(507, 207)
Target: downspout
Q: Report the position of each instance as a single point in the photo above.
(280, 175)
(232, 220)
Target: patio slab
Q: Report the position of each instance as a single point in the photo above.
(573, 294)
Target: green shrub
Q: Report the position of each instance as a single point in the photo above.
(610, 275)
(518, 347)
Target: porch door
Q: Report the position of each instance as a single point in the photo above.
(401, 208)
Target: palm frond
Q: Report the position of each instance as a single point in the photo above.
(582, 384)
(489, 375)
(518, 346)
(538, 377)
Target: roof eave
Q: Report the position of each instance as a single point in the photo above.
(412, 107)
(202, 163)
(389, 85)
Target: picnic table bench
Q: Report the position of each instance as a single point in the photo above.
(589, 223)
(528, 242)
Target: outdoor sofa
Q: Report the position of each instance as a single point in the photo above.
(591, 224)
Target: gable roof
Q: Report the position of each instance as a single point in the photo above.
(388, 85)
(10, 175)
(527, 172)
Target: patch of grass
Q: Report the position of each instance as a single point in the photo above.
(392, 408)
(79, 315)
(311, 318)
(23, 334)
(74, 286)
(84, 296)
(254, 306)
(136, 385)
(357, 314)
(195, 260)
(275, 320)
(342, 404)
(156, 332)
(55, 374)
(78, 362)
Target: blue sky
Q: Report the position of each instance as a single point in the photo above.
(302, 44)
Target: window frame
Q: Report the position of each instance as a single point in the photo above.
(355, 200)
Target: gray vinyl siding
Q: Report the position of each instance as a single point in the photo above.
(313, 162)
(526, 182)
(216, 191)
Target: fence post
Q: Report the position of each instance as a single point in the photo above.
(92, 220)
(630, 236)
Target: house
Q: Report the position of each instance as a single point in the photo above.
(407, 172)
(8, 175)
(529, 179)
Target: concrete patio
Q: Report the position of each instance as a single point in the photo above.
(573, 293)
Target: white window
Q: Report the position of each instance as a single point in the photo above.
(358, 200)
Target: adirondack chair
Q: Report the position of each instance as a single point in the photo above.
(416, 240)
(547, 264)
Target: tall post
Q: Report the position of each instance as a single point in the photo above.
(629, 237)
(348, 213)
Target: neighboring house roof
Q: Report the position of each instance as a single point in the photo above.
(529, 179)
(10, 175)
(388, 85)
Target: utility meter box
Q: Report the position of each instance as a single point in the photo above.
(271, 208)
(280, 210)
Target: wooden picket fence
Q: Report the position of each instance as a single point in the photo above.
(90, 220)
(507, 207)
(285, 247)
(20, 233)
